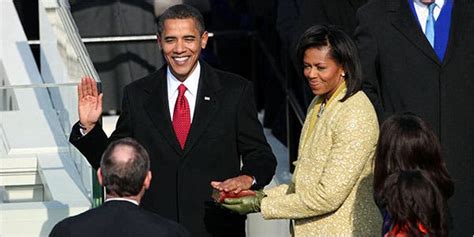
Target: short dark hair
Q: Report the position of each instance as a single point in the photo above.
(124, 179)
(411, 199)
(181, 11)
(342, 50)
(406, 142)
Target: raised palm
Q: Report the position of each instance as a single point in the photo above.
(90, 103)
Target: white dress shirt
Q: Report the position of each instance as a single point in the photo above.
(422, 11)
(191, 84)
(121, 199)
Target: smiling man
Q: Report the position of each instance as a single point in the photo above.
(197, 123)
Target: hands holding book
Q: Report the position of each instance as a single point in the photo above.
(245, 204)
(235, 194)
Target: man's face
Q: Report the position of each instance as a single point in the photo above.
(181, 44)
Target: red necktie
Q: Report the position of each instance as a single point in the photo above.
(181, 116)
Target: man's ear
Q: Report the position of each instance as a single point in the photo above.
(204, 38)
(99, 177)
(147, 181)
(158, 40)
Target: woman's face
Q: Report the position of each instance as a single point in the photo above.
(323, 73)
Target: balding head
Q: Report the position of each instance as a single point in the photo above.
(124, 167)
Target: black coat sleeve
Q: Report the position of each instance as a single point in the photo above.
(257, 157)
(368, 53)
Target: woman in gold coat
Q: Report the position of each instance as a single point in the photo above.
(331, 191)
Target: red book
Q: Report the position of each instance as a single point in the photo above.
(219, 196)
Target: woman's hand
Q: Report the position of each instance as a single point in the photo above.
(245, 205)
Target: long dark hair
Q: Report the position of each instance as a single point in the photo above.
(341, 49)
(412, 199)
(406, 142)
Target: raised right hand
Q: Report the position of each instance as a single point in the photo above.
(90, 103)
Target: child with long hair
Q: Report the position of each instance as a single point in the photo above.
(415, 204)
(406, 142)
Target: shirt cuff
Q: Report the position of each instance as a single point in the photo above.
(82, 129)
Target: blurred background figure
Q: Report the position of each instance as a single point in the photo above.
(417, 56)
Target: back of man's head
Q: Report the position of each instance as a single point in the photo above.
(124, 167)
(181, 11)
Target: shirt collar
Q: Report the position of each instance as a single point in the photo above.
(439, 3)
(121, 199)
(191, 82)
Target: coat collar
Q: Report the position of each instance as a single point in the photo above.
(405, 22)
(207, 102)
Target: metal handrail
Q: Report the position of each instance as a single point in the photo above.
(43, 85)
(76, 41)
(278, 73)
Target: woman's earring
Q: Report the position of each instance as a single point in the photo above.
(343, 75)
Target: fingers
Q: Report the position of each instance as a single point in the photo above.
(238, 189)
(237, 184)
(87, 87)
(229, 185)
(216, 185)
(94, 89)
(235, 205)
(230, 207)
(83, 87)
(233, 201)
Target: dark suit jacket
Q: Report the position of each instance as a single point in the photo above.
(341, 13)
(224, 131)
(401, 72)
(117, 218)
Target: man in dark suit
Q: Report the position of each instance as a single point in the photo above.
(199, 124)
(125, 173)
(418, 57)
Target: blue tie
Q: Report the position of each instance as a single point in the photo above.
(430, 22)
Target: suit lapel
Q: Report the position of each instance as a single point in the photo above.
(207, 103)
(406, 23)
(157, 109)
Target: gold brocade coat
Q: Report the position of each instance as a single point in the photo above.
(331, 191)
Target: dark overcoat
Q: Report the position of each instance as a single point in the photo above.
(224, 132)
(118, 218)
(401, 72)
